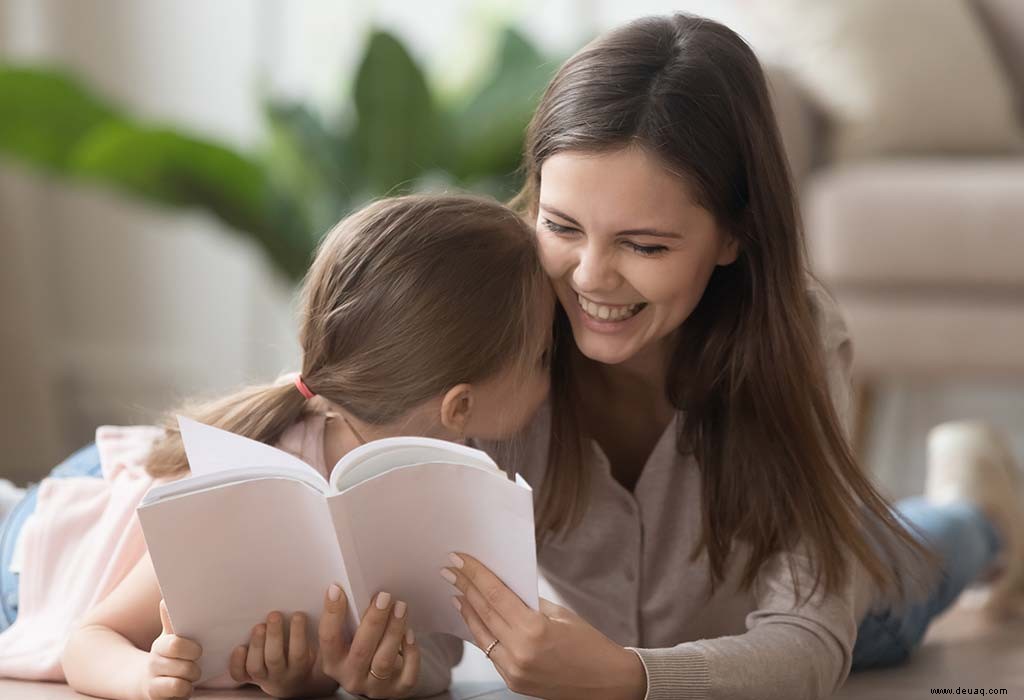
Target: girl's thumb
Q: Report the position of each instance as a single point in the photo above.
(165, 618)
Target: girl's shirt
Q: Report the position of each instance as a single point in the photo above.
(83, 539)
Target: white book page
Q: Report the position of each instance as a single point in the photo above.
(395, 532)
(228, 556)
(210, 450)
(380, 456)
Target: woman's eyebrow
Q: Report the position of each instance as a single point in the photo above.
(629, 232)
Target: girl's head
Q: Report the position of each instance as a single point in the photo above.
(667, 220)
(425, 305)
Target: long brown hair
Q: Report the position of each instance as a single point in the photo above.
(748, 372)
(406, 298)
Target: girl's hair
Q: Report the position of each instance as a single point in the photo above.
(748, 372)
(406, 298)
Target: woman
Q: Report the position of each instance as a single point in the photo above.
(698, 505)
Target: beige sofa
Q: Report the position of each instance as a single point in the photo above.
(925, 254)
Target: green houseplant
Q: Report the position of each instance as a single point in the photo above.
(399, 137)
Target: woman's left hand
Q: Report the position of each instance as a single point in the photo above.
(552, 653)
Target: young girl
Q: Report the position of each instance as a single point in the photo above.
(700, 509)
(425, 315)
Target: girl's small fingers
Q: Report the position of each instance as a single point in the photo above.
(298, 643)
(175, 668)
(410, 665)
(254, 665)
(175, 647)
(169, 687)
(385, 658)
(236, 664)
(273, 649)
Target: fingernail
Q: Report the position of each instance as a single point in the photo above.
(400, 609)
(334, 593)
(457, 560)
(275, 618)
(448, 576)
(383, 600)
(457, 604)
(410, 638)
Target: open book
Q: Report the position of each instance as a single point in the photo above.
(255, 529)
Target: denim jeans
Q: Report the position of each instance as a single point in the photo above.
(966, 543)
(85, 462)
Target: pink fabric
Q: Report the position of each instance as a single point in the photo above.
(84, 538)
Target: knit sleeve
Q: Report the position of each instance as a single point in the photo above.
(794, 646)
(837, 348)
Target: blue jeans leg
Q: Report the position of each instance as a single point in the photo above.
(966, 543)
(84, 462)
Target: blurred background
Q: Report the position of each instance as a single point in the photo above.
(167, 167)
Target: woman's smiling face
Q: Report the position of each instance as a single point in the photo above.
(628, 249)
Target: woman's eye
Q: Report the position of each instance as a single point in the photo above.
(556, 228)
(646, 249)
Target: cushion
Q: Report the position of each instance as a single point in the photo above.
(930, 223)
(899, 76)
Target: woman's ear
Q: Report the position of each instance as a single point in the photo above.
(456, 408)
(729, 252)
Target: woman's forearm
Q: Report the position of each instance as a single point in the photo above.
(99, 661)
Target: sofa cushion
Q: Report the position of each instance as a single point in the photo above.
(898, 76)
(923, 222)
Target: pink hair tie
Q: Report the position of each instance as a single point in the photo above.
(303, 389)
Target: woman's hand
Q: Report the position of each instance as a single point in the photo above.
(549, 654)
(280, 661)
(383, 660)
(173, 664)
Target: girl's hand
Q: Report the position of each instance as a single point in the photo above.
(172, 667)
(383, 660)
(550, 654)
(281, 662)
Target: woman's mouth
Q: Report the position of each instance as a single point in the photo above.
(606, 313)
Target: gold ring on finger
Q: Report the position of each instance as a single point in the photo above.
(490, 648)
(378, 677)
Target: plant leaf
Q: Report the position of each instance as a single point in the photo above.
(396, 126)
(44, 114)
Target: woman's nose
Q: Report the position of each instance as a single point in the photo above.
(595, 271)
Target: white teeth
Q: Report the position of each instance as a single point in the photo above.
(608, 313)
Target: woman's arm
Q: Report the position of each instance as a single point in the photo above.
(105, 654)
(793, 648)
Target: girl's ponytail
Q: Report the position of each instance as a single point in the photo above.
(259, 412)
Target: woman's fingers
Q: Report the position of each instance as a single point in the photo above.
(254, 665)
(483, 636)
(368, 635)
(385, 660)
(331, 632)
(410, 673)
